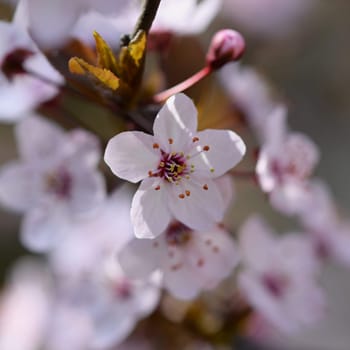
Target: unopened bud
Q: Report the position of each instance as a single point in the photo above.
(227, 45)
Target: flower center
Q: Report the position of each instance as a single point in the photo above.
(178, 234)
(276, 284)
(59, 183)
(172, 167)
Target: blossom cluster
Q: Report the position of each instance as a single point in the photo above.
(122, 265)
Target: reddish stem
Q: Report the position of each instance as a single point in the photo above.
(184, 85)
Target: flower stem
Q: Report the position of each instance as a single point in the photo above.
(184, 85)
(148, 14)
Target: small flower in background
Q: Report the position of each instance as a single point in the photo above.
(279, 276)
(185, 17)
(55, 180)
(51, 23)
(329, 232)
(286, 161)
(21, 65)
(177, 166)
(190, 261)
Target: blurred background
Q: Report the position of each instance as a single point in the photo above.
(308, 66)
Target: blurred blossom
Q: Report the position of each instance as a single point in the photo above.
(190, 261)
(54, 181)
(21, 63)
(51, 23)
(286, 161)
(177, 165)
(185, 16)
(24, 307)
(89, 242)
(278, 276)
(267, 18)
(329, 232)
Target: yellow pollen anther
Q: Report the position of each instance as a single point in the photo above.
(205, 187)
(181, 196)
(187, 177)
(171, 141)
(162, 164)
(155, 145)
(206, 148)
(195, 139)
(157, 188)
(212, 170)
(188, 193)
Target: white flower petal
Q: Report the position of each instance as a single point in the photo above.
(225, 186)
(130, 155)
(19, 186)
(226, 149)
(51, 21)
(139, 258)
(181, 282)
(218, 254)
(256, 242)
(150, 215)
(201, 209)
(38, 139)
(21, 95)
(176, 121)
(88, 190)
(43, 227)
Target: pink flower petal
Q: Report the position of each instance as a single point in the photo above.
(197, 205)
(175, 123)
(131, 156)
(150, 215)
(225, 150)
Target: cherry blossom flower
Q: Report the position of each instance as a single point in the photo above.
(285, 163)
(185, 16)
(109, 303)
(90, 241)
(51, 23)
(21, 92)
(55, 180)
(179, 17)
(24, 307)
(330, 233)
(177, 166)
(190, 260)
(279, 276)
(271, 18)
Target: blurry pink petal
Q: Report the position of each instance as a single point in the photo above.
(38, 139)
(19, 186)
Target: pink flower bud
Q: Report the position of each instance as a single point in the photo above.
(227, 45)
